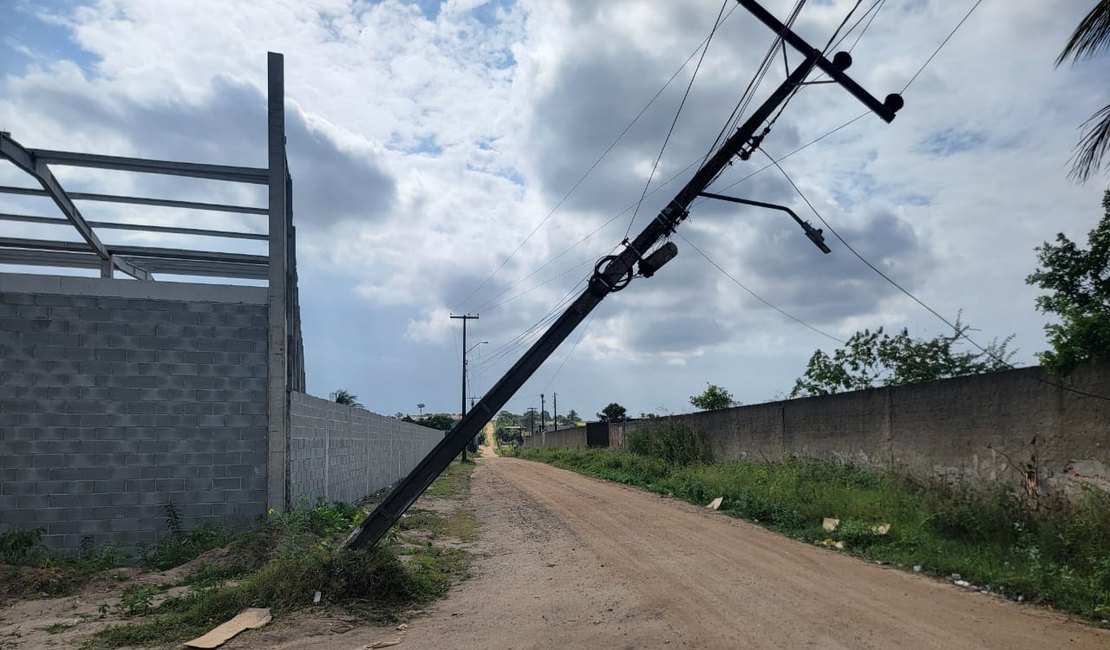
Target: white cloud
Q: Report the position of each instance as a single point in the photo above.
(431, 143)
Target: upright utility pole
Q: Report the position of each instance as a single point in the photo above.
(462, 411)
(555, 409)
(642, 256)
(543, 413)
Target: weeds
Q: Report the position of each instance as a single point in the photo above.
(1057, 555)
(296, 555)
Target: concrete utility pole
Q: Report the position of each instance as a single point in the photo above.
(639, 257)
(543, 413)
(462, 411)
(555, 409)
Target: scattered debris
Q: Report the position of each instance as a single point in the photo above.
(832, 543)
(917, 568)
(962, 583)
(715, 503)
(956, 576)
(384, 643)
(402, 627)
(248, 619)
(316, 598)
(830, 524)
(880, 529)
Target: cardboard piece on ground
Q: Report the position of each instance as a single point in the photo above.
(715, 503)
(248, 619)
(830, 524)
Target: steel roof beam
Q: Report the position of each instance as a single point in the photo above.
(229, 173)
(109, 225)
(26, 161)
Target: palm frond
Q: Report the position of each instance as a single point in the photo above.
(1093, 145)
(1091, 36)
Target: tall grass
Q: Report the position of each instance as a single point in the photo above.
(1058, 556)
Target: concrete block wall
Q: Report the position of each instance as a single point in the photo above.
(962, 428)
(569, 438)
(342, 453)
(119, 396)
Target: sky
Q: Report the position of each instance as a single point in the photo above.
(434, 147)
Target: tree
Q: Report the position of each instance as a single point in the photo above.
(613, 413)
(876, 358)
(440, 421)
(571, 417)
(1091, 37)
(346, 398)
(1079, 282)
(714, 397)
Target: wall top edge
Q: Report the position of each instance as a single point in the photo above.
(120, 288)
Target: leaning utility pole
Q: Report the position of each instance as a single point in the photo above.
(645, 255)
(462, 412)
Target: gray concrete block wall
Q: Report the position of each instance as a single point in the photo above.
(569, 438)
(113, 405)
(343, 453)
(962, 428)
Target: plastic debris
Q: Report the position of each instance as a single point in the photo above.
(830, 524)
(962, 583)
(248, 619)
(715, 503)
(917, 568)
(316, 598)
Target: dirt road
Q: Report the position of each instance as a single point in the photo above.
(568, 561)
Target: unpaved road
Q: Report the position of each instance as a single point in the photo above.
(569, 561)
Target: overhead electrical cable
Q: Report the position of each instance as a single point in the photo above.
(596, 162)
(681, 105)
(942, 44)
(922, 303)
(756, 295)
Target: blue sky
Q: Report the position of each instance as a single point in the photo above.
(427, 140)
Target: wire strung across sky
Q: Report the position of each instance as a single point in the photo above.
(608, 149)
(670, 131)
(737, 113)
(961, 332)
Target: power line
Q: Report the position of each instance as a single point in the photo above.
(570, 353)
(681, 105)
(597, 162)
(844, 22)
(942, 44)
(753, 85)
(920, 302)
(756, 295)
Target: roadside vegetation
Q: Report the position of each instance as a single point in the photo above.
(1048, 551)
(281, 565)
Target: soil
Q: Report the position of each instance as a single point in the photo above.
(568, 561)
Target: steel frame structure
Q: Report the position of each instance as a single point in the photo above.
(278, 267)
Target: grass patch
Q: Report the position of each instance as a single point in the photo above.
(462, 524)
(297, 555)
(453, 482)
(1058, 556)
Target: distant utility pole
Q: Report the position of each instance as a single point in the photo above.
(639, 257)
(555, 409)
(543, 413)
(462, 413)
